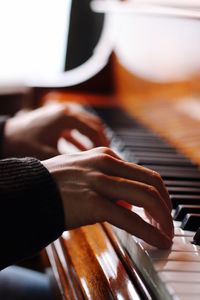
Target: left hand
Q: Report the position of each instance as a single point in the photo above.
(36, 133)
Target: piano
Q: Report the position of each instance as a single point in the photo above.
(150, 105)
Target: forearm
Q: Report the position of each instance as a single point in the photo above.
(31, 214)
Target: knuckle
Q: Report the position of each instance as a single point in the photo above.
(106, 150)
(156, 177)
(105, 158)
(97, 177)
(152, 191)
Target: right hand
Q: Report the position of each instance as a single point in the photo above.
(91, 183)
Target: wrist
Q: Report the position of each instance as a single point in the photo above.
(7, 147)
(5, 144)
(50, 165)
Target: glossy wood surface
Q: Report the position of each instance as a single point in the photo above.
(87, 266)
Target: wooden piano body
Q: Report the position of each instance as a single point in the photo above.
(158, 83)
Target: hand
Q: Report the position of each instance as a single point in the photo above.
(36, 133)
(92, 182)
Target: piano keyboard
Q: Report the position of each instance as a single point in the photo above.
(175, 273)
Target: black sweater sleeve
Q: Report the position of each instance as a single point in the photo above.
(31, 213)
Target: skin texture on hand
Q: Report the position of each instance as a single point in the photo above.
(36, 133)
(92, 182)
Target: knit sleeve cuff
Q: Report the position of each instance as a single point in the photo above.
(32, 213)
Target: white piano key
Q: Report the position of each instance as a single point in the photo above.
(174, 276)
(174, 255)
(180, 243)
(177, 224)
(183, 288)
(181, 232)
(184, 244)
(185, 297)
(184, 266)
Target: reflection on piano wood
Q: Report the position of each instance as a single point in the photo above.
(103, 262)
(93, 269)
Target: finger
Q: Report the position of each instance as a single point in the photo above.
(99, 127)
(68, 136)
(132, 223)
(120, 168)
(86, 127)
(136, 193)
(102, 154)
(92, 117)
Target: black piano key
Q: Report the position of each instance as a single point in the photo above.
(148, 149)
(181, 183)
(142, 146)
(191, 222)
(184, 199)
(184, 190)
(182, 210)
(131, 141)
(176, 172)
(169, 175)
(155, 145)
(140, 137)
(196, 238)
(134, 133)
(190, 169)
(144, 154)
(163, 161)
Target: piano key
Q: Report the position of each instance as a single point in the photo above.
(145, 146)
(180, 232)
(177, 224)
(184, 190)
(169, 255)
(181, 266)
(181, 183)
(181, 244)
(185, 297)
(175, 276)
(182, 210)
(196, 238)
(128, 132)
(184, 199)
(190, 171)
(163, 161)
(146, 153)
(131, 140)
(155, 145)
(178, 288)
(191, 222)
(184, 244)
(175, 173)
(153, 149)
